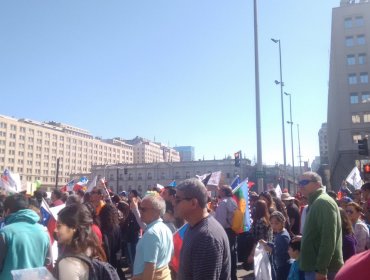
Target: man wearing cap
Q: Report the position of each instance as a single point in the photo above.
(321, 245)
(293, 213)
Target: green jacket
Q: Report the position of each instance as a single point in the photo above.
(321, 247)
(26, 243)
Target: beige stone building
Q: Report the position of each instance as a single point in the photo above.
(146, 151)
(31, 148)
(349, 88)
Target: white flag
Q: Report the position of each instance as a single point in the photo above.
(354, 178)
(278, 191)
(92, 184)
(215, 179)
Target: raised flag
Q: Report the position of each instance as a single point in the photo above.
(278, 191)
(92, 184)
(49, 217)
(215, 179)
(354, 178)
(10, 181)
(235, 182)
(178, 238)
(242, 221)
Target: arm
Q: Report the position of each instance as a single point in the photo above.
(149, 269)
(3, 250)
(135, 210)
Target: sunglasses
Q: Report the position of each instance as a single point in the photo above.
(303, 183)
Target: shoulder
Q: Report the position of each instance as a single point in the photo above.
(71, 267)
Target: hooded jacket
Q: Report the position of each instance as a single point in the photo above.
(26, 243)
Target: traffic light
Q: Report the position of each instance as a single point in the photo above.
(363, 149)
(367, 168)
(237, 159)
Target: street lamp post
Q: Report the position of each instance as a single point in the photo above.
(258, 110)
(282, 110)
(299, 151)
(291, 132)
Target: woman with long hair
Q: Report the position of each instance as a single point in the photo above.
(348, 237)
(266, 196)
(112, 238)
(354, 212)
(74, 232)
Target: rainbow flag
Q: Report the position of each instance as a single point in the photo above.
(242, 219)
(178, 238)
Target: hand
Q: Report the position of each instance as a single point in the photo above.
(297, 238)
(320, 276)
(134, 203)
(262, 242)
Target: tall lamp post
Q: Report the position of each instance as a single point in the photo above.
(291, 132)
(299, 151)
(258, 110)
(282, 110)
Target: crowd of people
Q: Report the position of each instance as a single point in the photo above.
(312, 235)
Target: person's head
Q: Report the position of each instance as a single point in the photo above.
(72, 199)
(344, 201)
(294, 249)
(96, 195)
(74, 231)
(191, 197)
(116, 198)
(353, 211)
(151, 208)
(225, 191)
(14, 203)
(287, 199)
(168, 193)
(346, 222)
(261, 211)
(133, 194)
(365, 191)
(309, 182)
(56, 194)
(272, 193)
(356, 196)
(266, 196)
(108, 217)
(277, 221)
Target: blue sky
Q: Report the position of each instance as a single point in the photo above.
(179, 71)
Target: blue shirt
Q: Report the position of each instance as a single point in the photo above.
(156, 246)
(295, 273)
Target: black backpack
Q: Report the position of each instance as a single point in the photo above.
(98, 270)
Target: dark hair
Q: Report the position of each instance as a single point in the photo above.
(295, 245)
(262, 211)
(171, 191)
(108, 217)
(93, 214)
(57, 193)
(278, 216)
(15, 203)
(116, 198)
(73, 199)
(332, 194)
(78, 217)
(134, 193)
(346, 222)
(194, 188)
(268, 197)
(227, 190)
(366, 187)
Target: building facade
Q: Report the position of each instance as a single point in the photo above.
(323, 144)
(31, 148)
(186, 153)
(349, 88)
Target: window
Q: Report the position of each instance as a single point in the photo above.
(352, 79)
(354, 98)
(359, 21)
(351, 60)
(366, 117)
(356, 118)
(365, 97)
(347, 22)
(364, 78)
(362, 58)
(349, 41)
(361, 40)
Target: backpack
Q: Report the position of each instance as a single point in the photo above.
(98, 270)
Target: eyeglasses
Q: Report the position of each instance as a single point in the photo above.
(179, 199)
(305, 182)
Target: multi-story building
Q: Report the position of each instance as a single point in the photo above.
(349, 88)
(186, 153)
(31, 148)
(323, 144)
(146, 151)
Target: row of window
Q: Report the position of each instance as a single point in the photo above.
(358, 40)
(360, 59)
(363, 97)
(354, 22)
(353, 79)
(361, 118)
